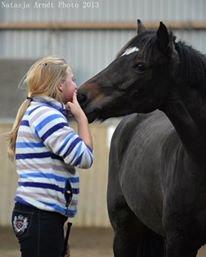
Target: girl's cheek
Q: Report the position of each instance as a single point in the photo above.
(70, 94)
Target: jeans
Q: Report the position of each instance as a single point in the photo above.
(39, 233)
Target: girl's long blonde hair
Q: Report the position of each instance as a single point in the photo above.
(43, 78)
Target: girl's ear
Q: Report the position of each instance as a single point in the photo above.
(60, 87)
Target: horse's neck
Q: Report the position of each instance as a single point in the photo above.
(186, 109)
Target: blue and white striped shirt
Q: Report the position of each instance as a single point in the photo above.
(47, 149)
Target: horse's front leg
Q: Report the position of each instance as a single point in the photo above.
(125, 231)
(178, 245)
(181, 233)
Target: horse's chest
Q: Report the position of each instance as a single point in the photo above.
(140, 174)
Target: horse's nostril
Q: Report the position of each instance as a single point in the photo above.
(82, 98)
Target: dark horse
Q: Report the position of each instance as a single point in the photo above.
(157, 167)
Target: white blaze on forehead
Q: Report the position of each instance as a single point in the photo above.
(130, 50)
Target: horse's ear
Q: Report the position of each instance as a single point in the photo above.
(140, 27)
(164, 39)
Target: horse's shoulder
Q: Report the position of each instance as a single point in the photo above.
(125, 130)
(126, 126)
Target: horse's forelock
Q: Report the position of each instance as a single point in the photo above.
(129, 44)
(146, 39)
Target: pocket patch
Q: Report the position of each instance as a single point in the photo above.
(20, 224)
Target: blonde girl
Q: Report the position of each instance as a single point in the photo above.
(46, 150)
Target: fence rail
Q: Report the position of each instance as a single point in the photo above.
(175, 25)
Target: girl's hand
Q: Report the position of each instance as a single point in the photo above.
(76, 109)
(82, 122)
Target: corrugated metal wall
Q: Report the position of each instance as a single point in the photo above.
(84, 50)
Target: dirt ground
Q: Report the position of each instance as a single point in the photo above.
(87, 242)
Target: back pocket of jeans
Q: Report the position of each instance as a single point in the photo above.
(21, 223)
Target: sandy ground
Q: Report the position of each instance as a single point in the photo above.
(87, 242)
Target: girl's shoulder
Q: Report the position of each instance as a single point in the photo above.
(41, 110)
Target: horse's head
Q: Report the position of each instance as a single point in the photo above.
(138, 80)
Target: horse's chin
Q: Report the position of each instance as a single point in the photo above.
(95, 113)
(96, 116)
(104, 113)
(92, 116)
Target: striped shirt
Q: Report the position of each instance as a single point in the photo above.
(47, 150)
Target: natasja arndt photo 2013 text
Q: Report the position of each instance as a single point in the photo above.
(61, 4)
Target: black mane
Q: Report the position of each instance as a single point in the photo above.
(192, 67)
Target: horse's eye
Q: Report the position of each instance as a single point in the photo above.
(140, 67)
